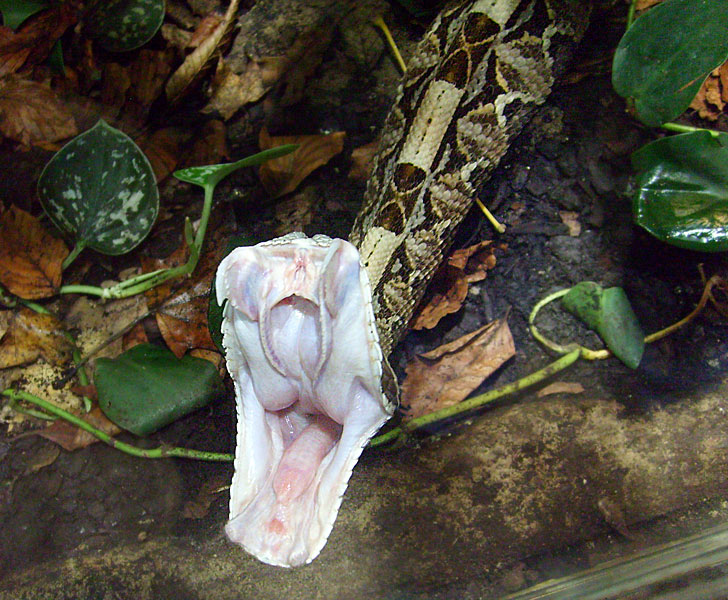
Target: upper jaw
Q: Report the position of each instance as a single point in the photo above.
(303, 352)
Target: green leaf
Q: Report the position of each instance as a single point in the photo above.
(214, 310)
(15, 12)
(609, 313)
(211, 175)
(667, 53)
(121, 25)
(100, 189)
(682, 190)
(148, 387)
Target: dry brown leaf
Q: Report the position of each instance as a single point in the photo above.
(207, 494)
(135, 336)
(116, 82)
(32, 42)
(182, 307)
(645, 4)
(561, 387)
(30, 258)
(571, 220)
(282, 175)
(69, 437)
(448, 374)
(231, 90)
(162, 148)
(710, 101)
(31, 113)
(148, 74)
(362, 159)
(202, 58)
(449, 288)
(12, 54)
(30, 335)
(89, 391)
(210, 147)
(205, 28)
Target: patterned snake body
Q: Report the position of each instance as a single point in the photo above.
(476, 75)
(309, 322)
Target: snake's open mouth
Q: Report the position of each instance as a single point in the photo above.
(303, 351)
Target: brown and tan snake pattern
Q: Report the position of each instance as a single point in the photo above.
(474, 78)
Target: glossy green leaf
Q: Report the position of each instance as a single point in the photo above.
(212, 174)
(214, 310)
(609, 313)
(15, 12)
(100, 189)
(682, 190)
(667, 53)
(121, 25)
(148, 387)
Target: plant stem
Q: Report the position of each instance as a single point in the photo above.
(146, 281)
(478, 401)
(677, 128)
(160, 452)
(497, 225)
(72, 256)
(630, 13)
(379, 22)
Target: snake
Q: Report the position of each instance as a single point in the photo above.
(309, 322)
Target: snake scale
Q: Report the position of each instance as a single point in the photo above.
(310, 322)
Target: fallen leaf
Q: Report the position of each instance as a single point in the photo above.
(210, 146)
(197, 64)
(181, 313)
(231, 90)
(362, 160)
(135, 336)
(31, 113)
(205, 29)
(710, 101)
(448, 374)
(30, 258)
(69, 437)
(282, 175)
(88, 391)
(571, 220)
(561, 387)
(449, 288)
(208, 493)
(148, 74)
(32, 42)
(116, 81)
(12, 54)
(162, 148)
(645, 4)
(30, 335)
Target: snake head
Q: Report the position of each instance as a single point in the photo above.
(302, 349)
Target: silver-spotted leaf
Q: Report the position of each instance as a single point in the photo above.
(682, 190)
(148, 387)
(100, 189)
(667, 53)
(121, 25)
